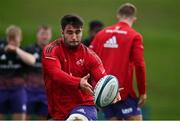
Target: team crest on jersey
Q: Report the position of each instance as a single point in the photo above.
(111, 43)
(80, 62)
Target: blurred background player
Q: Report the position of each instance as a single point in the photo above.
(67, 66)
(37, 100)
(121, 49)
(94, 27)
(12, 60)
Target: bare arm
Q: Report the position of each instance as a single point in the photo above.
(24, 56)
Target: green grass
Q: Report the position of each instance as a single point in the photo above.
(158, 21)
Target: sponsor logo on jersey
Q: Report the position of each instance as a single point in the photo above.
(116, 30)
(81, 110)
(111, 43)
(80, 62)
(127, 110)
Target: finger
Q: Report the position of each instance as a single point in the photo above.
(114, 101)
(118, 97)
(88, 85)
(89, 90)
(87, 76)
(141, 102)
(121, 89)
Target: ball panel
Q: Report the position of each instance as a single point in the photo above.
(106, 90)
(104, 82)
(109, 92)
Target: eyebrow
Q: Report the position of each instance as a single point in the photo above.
(74, 30)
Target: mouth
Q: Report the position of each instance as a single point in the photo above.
(75, 42)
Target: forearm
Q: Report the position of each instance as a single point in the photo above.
(53, 70)
(141, 79)
(25, 56)
(62, 77)
(98, 73)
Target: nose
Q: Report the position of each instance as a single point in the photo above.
(74, 36)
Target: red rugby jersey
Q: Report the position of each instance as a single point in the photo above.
(62, 70)
(121, 49)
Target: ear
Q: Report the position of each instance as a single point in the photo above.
(62, 32)
(134, 19)
(118, 17)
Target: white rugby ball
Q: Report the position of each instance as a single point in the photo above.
(106, 90)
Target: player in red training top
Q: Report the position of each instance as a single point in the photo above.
(69, 69)
(121, 49)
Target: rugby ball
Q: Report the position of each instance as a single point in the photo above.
(106, 91)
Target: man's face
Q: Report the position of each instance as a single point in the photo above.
(14, 40)
(72, 36)
(44, 36)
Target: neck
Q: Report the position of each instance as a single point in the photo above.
(71, 48)
(128, 21)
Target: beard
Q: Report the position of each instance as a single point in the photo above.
(43, 42)
(72, 45)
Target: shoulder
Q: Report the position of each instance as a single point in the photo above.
(138, 36)
(136, 33)
(2, 44)
(92, 56)
(87, 50)
(91, 59)
(106, 32)
(51, 48)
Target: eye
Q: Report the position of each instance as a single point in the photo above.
(78, 31)
(69, 32)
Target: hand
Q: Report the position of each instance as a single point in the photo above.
(11, 48)
(118, 97)
(85, 86)
(142, 100)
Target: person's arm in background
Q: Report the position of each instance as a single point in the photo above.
(138, 59)
(24, 56)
